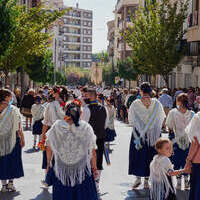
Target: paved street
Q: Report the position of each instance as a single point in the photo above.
(115, 185)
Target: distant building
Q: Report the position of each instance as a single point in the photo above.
(111, 39)
(77, 38)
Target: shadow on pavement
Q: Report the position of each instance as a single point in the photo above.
(144, 195)
(44, 195)
(137, 194)
(8, 196)
(31, 150)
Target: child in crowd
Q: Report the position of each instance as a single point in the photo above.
(161, 172)
(37, 112)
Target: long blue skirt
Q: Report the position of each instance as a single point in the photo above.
(139, 160)
(85, 191)
(11, 166)
(179, 157)
(195, 182)
(110, 135)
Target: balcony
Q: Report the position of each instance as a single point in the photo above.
(123, 3)
(193, 19)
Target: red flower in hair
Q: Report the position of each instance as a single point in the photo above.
(58, 91)
(77, 102)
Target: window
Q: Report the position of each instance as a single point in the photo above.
(65, 20)
(89, 23)
(89, 40)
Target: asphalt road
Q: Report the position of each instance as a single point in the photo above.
(115, 182)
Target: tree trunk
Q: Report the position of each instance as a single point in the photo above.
(23, 89)
(6, 78)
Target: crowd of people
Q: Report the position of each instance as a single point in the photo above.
(73, 127)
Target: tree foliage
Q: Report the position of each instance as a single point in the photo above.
(41, 70)
(109, 75)
(29, 38)
(77, 75)
(127, 69)
(101, 57)
(155, 36)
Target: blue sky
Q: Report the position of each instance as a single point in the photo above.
(103, 12)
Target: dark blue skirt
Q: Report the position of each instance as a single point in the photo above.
(44, 160)
(195, 182)
(179, 157)
(110, 135)
(85, 191)
(37, 127)
(11, 166)
(139, 160)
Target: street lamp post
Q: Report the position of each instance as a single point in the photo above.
(55, 62)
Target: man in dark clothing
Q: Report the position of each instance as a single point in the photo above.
(97, 115)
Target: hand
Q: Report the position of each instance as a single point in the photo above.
(22, 142)
(95, 172)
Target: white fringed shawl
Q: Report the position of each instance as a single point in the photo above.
(139, 115)
(37, 111)
(9, 124)
(160, 186)
(72, 149)
(193, 129)
(177, 122)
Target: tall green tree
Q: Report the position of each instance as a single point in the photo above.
(155, 36)
(29, 38)
(109, 75)
(127, 69)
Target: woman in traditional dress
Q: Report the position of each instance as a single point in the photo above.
(146, 116)
(26, 105)
(193, 159)
(53, 112)
(110, 130)
(11, 142)
(177, 120)
(37, 112)
(72, 147)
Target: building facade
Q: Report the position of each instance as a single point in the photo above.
(77, 38)
(111, 39)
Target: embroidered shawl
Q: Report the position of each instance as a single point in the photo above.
(72, 149)
(9, 124)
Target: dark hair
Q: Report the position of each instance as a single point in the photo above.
(160, 143)
(55, 89)
(64, 95)
(93, 92)
(74, 111)
(85, 89)
(183, 98)
(3, 94)
(146, 88)
(38, 99)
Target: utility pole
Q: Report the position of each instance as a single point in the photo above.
(55, 63)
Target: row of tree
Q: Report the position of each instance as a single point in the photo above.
(156, 37)
(25, 40)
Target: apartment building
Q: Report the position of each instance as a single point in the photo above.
(111, 39)
(124, 9)
(77, 37)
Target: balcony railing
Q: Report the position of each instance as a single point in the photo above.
(193, 19)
